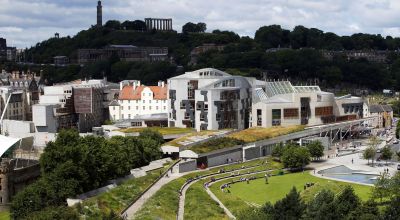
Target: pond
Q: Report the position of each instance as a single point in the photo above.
(345, 173)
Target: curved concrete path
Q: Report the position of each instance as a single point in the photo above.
(181, 209)
(131, 211)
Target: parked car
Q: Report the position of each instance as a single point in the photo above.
(398, 166)
(396, 141)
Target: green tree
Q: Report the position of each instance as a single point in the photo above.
(369, 154)
(322, 206)
(346, 202)
(392, 212)
(316, 149)
(278, 149)
(290, 207)
(386, 153)
(149, 133)
(367, 211)
(295, 157)
(382, 187)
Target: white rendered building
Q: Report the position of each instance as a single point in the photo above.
(278, 103)
(209, 99)
(136, 99)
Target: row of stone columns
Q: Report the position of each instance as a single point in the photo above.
(158, 24)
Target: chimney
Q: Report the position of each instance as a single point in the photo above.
(138, 83)
(121, 85)
(163, 84)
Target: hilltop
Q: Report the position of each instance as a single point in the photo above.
(296, 54)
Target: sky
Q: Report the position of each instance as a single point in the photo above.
(26, 22)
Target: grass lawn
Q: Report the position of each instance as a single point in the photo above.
(257, 192)
(5, 215)
(118, 198)
(164, 203)
(199, 205)
(163, 130)
(256, 133)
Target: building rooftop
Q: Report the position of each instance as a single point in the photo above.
(131, 93)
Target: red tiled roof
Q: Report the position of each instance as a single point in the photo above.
(127, 93)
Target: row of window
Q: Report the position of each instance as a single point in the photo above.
(143, 101)
(144, 108)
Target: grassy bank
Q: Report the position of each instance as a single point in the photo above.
(164, 203)
(258, 192)
(120, 197)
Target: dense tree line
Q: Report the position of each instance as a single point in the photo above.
(301, 62)
(325, 205)
(72, 165)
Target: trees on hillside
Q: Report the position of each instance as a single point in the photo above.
(194, 28)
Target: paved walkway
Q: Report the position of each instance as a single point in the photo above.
(131, 211)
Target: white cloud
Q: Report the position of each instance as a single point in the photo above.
(26, 22)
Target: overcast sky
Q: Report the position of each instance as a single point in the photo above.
(25, 22)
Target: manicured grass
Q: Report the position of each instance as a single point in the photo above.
(257, 133)
(163, 130)
(164, 203)
(257, 192)
(199, 205)
(121, 196)
(5, 215)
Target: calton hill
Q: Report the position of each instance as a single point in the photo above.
(274, 52)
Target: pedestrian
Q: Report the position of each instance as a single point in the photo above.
(352, 161)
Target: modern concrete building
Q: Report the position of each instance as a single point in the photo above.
(136, 99)
(78, 104)
(278, 103)
(128, 53)
(209, 99)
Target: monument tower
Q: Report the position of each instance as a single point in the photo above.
(99, 14)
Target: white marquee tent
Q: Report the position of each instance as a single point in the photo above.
(6, 143)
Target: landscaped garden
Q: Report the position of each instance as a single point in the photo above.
(164, 203)
(257, 192)
(258, 133)
(120, 197)
(242, 137)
